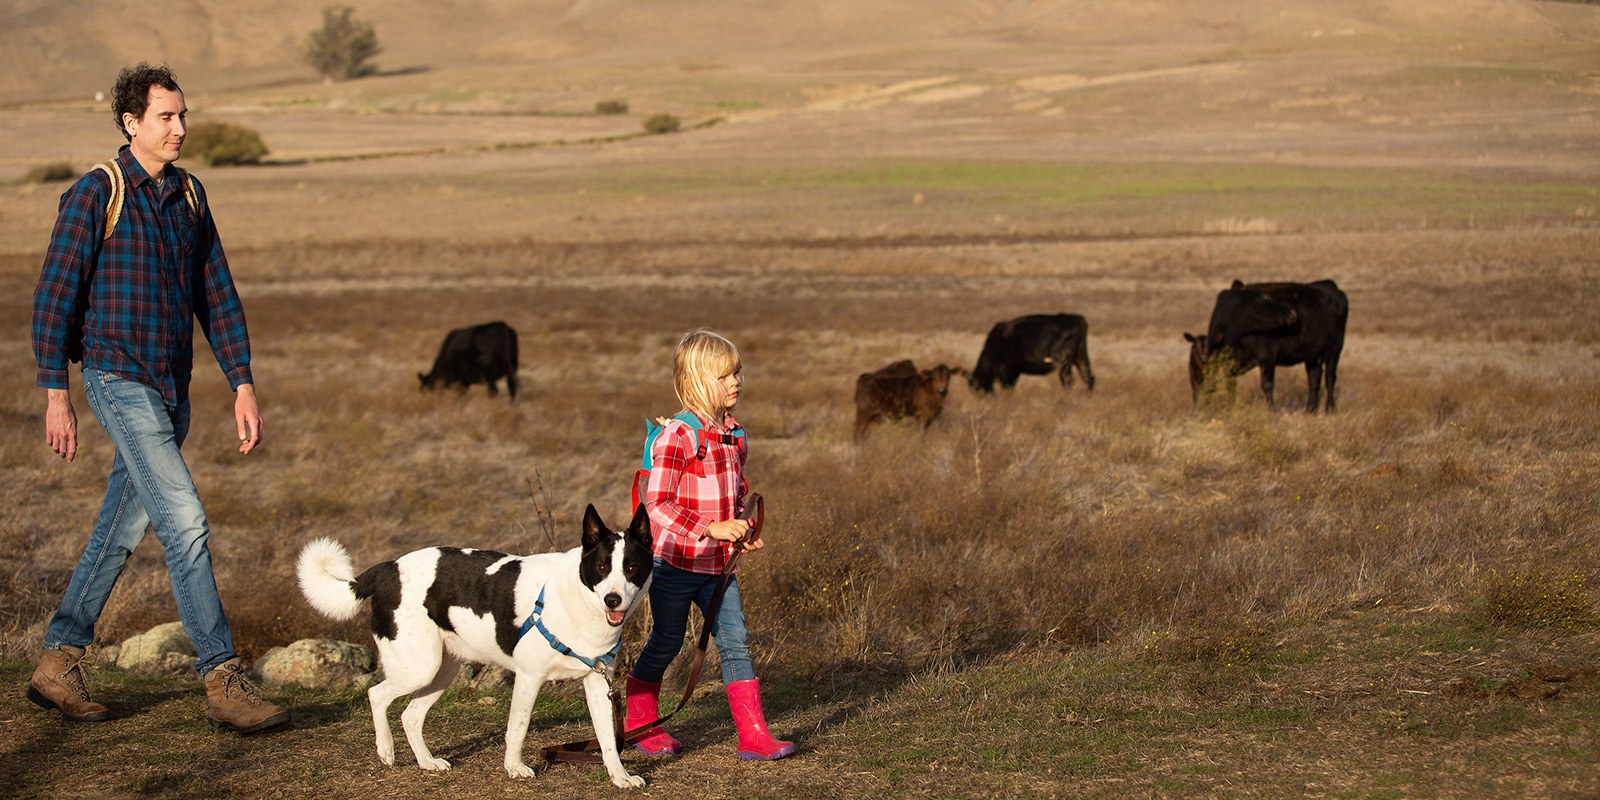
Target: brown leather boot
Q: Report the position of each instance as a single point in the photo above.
(235, 704)
(59, 682)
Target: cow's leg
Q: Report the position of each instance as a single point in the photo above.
(1313, 385)
(511, 385)
(494, 390)
(1331, 375)
(1065, 375)
(1083, 367)
(1268, 377)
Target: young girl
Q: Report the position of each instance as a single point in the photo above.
(692, 502)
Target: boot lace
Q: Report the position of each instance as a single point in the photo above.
(233, 679)
(76, 677)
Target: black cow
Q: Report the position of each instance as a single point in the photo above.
(1269, 325)
(1034, 345)
(479, 354)
(899, 390)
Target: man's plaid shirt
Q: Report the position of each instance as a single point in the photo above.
(685, 495)
(135, 297)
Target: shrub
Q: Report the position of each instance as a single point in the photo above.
(1536, 600)
(661, 123)
(611, 107)
(224, 143)
(340, 49)
(53, 171)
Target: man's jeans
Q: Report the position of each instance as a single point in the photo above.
(150, 486)
(671, 592)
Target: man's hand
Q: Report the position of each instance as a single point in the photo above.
(247, 414)
(60, 423)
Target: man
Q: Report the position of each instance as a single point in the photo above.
(125, 301)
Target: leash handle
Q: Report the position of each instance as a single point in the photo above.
(755, 511)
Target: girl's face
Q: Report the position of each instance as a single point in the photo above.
(731, 384)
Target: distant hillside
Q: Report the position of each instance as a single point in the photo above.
(68, 49)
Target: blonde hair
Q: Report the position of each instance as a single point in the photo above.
(703, 358)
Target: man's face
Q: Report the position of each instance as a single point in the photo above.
(158, 137)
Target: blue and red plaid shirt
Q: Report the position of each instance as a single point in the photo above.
(134, 298)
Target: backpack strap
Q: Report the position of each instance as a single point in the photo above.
(119, 193)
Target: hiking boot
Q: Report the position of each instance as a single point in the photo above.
(59, 682)
(234, 703)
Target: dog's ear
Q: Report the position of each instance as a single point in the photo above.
(640, 527)
(593, 527)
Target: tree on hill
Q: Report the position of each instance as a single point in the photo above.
(340, 49)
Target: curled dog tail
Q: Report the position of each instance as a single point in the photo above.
(327, 579)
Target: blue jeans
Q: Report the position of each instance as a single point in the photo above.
(149, 486)
(671, 592)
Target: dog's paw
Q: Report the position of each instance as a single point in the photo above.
(432, 764)
(626, 781)
(519, 770)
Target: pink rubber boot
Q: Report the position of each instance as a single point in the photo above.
(744, 698)
(642, 709)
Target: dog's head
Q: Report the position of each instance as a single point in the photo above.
(615, 567)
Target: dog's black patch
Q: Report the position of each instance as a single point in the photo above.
(461, 580)
(600, 545)
(381, 582)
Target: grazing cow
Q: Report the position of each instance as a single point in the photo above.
(479, 354)
(1269, 325)
(1034, 345)
(899, 390)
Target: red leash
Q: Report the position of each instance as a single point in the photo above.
(755, 510)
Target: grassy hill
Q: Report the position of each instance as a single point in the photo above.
(59, 50)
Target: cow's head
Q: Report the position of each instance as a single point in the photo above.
(1199, 351)
(938, 378)
(981, 377)
(1241, 312)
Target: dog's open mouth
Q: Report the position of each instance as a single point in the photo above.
(615, 617)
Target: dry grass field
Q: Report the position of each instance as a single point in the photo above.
(1049, 593)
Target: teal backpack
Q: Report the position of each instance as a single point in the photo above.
(652, 430)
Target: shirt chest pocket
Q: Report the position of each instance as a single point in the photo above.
(186, 229)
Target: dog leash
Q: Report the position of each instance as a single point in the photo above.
(755, 512)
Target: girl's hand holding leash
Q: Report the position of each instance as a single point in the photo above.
(734, 530)
(744, 529)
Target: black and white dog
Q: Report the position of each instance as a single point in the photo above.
(545, 617)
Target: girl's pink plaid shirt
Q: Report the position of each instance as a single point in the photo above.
(685, 495)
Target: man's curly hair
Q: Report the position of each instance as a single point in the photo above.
(131, 95)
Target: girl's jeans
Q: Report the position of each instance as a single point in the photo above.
(149, 486)
(671, 592)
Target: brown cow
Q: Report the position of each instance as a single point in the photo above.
(900, 390)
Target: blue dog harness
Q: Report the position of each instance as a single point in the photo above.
(533, 622)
